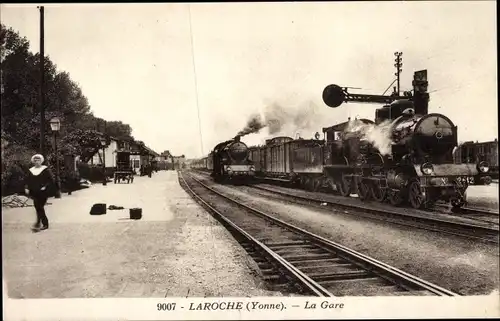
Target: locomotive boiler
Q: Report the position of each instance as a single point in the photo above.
(415, 166)
(231, 162)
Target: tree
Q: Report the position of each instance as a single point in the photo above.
(20, 88)
(11, 42)
(84, 143)
(115, 129)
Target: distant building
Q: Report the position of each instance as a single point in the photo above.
(164, 156)
(179, 161)
(140, 154)
(110, 154)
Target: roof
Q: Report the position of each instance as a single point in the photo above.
(342, 126)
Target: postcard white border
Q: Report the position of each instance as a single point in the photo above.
(284, 308)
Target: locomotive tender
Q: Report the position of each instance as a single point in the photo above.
(417, 167)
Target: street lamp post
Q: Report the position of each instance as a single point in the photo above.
(55, 125)
(103, 144)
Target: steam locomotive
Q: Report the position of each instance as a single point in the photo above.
(416, 167)
(228, 162)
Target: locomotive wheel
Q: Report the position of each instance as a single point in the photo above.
(311, 184)
(332, 185)
(306, 184)
(363, 189)
(395, 197)
(344, 186)
(315, 184)
(379, 194)
(416, 195)
(302, 183)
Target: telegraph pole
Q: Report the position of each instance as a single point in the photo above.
(42, 83)
(398, 65)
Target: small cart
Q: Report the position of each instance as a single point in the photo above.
(123, 171)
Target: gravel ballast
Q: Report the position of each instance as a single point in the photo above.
(461, 265)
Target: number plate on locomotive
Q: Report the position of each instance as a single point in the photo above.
(469, 180)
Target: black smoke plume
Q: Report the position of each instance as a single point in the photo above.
(254, 125)
(286, 120)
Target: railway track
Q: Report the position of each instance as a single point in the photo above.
(480, 230)
(473, 213)
(289, 255)
(481, 216)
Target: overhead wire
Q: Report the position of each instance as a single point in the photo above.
(389, 86)
(195, 78)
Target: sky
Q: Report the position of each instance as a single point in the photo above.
(187, 76)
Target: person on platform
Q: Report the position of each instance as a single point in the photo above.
(37, 186)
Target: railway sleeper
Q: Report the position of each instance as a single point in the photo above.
(298, 250)
(360, 280)
(265, 265)
(268, 271)
(346, 275)
(289, 243)
(329, 269)
(259, 259)
(306, 262)
(274, 278)
(282, 239)
(416, 293)
(322, 266)
(293, 246)
(293, 258)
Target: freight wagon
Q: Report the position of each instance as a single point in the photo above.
(288, 159)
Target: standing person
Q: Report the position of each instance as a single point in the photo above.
(38, 183)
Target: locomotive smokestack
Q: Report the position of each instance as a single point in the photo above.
(237, 138)
(421, 97)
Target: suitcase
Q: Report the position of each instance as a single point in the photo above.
(98, 209)
(135, 213)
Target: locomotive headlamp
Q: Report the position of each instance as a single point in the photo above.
(252, 168)
(427, 168)
(483, 167)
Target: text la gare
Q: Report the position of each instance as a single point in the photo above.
(324, 305)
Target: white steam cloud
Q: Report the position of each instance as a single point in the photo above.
(378, 135)
(285, 120)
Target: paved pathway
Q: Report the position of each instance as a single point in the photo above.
(176, 249)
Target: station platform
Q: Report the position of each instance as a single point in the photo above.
(483, 197)
(176, 250)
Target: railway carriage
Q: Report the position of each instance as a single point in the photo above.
(285, 158)
(204, 164)
(470, 152)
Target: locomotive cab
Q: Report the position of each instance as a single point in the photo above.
(392, 111)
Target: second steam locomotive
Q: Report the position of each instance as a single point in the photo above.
(228, 161)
